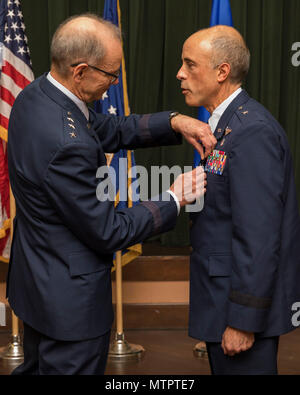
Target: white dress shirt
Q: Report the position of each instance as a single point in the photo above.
(219, 111)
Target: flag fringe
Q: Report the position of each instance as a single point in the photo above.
(3, 133)
(5, 227)
(133, 253)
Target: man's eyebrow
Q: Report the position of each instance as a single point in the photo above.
(188, 60)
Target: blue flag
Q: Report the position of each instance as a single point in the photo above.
(115, 102)
(220, 15)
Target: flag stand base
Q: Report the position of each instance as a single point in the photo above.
(200, 350)
(121, 350)
(14, 350)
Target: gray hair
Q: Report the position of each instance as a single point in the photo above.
(84, 46)
(233, 51)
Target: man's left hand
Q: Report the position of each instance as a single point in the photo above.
(235, 341)
(194, 131)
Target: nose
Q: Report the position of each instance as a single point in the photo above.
(181, 75)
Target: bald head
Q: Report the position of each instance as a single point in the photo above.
(83, 38)
(224, 44)
(218, 30)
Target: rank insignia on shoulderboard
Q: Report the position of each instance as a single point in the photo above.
(70, 127)
(216, 162)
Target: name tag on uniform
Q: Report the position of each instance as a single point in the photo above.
(216, 162)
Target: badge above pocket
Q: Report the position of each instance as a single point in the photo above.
(216, 162)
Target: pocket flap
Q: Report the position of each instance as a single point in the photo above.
(85, 262)
(220, 265)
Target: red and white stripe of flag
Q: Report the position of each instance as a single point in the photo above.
(15, 76)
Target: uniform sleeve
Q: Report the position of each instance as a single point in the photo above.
(70, 183)
(256, 186)
(134, 131)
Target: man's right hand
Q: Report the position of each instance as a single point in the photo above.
(195, 131)
(190, 186)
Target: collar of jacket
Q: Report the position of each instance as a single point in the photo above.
(240, 100)
(61, 99)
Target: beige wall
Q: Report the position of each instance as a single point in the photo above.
(155, 292)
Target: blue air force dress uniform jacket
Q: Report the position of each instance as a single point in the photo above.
(245, 264)
(59, 279)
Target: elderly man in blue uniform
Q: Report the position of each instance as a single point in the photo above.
(59, 280)
(245, 268)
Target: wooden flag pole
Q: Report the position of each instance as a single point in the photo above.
(12, 203)
(119, 293)
(14, 350)
(120, 349)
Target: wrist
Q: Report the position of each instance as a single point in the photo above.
(172, 119)
(172, 193)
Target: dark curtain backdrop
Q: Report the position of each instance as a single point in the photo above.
(154, 31)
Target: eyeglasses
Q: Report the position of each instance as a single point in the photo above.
(114, 76)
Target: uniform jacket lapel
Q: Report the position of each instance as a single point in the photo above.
(238, 102)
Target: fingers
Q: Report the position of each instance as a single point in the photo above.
(235, 341)
(232, 348)
(199, 148)
(199, 182)
(196, 133)
(190, 186)
(207, 138)
(231, 351)
(198, 175)
(210, 145)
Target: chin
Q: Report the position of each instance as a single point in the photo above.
(191, 103)
(95, 98)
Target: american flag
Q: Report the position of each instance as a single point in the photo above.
(16, 73)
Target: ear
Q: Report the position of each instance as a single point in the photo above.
(79, 71)
(223, 72)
